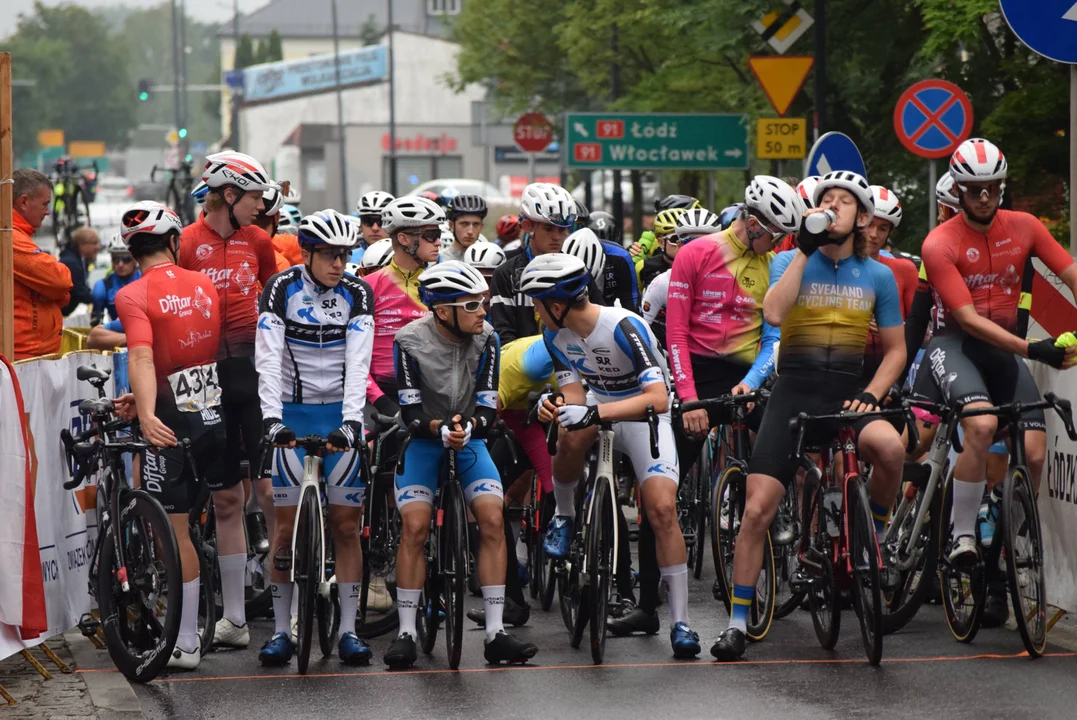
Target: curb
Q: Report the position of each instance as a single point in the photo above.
(112, 696)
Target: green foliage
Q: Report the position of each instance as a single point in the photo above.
(274, 52)
(245, 56)
(369, 32)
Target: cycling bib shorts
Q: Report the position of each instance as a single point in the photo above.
(167, 475)
(340, 471)
(422, 472)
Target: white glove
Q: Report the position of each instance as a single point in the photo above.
(577, 417)
(445, 430)
(467, 432)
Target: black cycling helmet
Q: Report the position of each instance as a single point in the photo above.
(466, 205)
(605, 227)
(583, 217)
(669, 202)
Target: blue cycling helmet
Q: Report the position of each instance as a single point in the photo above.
(555, 276)
(290, 217)
(729, 214)
(200, 191)
(448, 281)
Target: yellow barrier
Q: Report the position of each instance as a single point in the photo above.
(74, 339)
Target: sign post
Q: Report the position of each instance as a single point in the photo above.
(533, 133)
(781, 77)
(656, 141)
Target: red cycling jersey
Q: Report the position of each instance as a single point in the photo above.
(908, 278)
(396, 303)
(964, 266)
(174, 311)
(239, 267)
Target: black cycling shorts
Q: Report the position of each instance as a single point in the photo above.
(242, 412)
(167, 475)
(958, 370)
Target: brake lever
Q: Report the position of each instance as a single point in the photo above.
(510, 438)
(910, 423)
(652, 427)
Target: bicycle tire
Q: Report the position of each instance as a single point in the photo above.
(824, 599)
(428, 616)
(725, 511)
(379, 548)
(761, 615)
(866, 581)
(702, 509)
(454, 573)
(327, 609)
(208, 572)
(601, 563)
(786, 599)
(1023, 536)
(307, 574)
(916, 582)
(959, 585)
(154, 640)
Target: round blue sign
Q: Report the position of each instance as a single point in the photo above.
(1048, 27)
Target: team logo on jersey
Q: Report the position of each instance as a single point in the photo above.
(203, 251)
(202, 303)
(646, 306)
(574, 349)
(245, 278)
(972, 254)
(856, 272)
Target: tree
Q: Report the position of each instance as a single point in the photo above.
(274, 51)
(369, 32)
(244, 52)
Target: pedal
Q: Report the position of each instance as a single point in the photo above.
(88, 625)
(516, 513)
(282, 561)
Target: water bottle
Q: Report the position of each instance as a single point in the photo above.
(817, 222)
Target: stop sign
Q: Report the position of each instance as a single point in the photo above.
(533, 132)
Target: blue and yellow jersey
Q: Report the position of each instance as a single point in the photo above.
(526, 366)
(827, 327)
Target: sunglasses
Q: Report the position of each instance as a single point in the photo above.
(431, 236)
(122, 259)
(331, 253)
(992, 191)
(468, 305)
(371, 220)
(561, 221)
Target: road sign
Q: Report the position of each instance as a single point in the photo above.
(782, 28)
(781, 138)
(834, 151)
(172, 137)
(172, 158)
(532, 132)
(781, 77)
(932, 118)
(50, 138)
(86, 149)
(234, 79)
(198, 148)
(656, 141)
(1048, 27)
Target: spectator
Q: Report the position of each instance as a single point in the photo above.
(42, 283)
(85, 244)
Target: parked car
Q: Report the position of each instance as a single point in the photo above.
(462, 186)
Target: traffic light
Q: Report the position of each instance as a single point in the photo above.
(182, 133)
(144, 89)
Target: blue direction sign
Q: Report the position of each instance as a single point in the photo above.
(1049, 27)
(834, 151)
(932, 118)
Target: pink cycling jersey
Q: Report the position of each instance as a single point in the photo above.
(396, 303)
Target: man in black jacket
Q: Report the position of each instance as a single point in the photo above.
(83, 249)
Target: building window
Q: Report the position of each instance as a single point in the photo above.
(437, 7)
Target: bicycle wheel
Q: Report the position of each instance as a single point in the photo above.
(600, 565)
(208, 573)
(453, 552)
(917, 560)
(308, 573)
(327, 600)
(964, 590)
(1024, 560)
(824, 600)
(701, 495)
(864, 557)
(536, 557)
(379, 561)
(141, 624)
(786, 598)
(728, 505)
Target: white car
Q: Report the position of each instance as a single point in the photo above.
(463, 186)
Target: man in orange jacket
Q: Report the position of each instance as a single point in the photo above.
(42, 283)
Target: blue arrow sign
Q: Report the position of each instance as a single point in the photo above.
(1049, 27)
(834, 151)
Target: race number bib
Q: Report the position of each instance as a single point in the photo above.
(196, 388)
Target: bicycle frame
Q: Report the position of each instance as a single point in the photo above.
(312, 465)
(603, 475)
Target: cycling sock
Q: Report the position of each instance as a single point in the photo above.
(282, 605)
(565, 496)
(521, 546)
(493, 599)
(349, 603)
(407, 604)
(879, 513)
(233, 568)
(742, 602)
(513, 584)
(293, 609)
(967, 497)
(187, 640)
(676, 579)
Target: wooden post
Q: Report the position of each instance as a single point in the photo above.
(7, 270)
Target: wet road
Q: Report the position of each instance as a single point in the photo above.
(925, 673)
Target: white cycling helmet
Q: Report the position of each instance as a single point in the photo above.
(236, 169)
(378, 255)
(290, 217)
(116, 245)
(555, 276)
(327, 227)
(272, 199)
(484, 256)
(372, 203)
(148, 218)
(352, 269)
(694, 223)
(448, 281)
(776, 201)
(806, 190)
(585, 245)
(547, 203)
(977, 160)
(944, 192)
(447, 236)
(846, 180)
(411, 211)
(887, 205)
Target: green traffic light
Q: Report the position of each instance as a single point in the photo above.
(188, 157)
(183, 132)
(143, 96)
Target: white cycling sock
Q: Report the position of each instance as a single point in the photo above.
(521, 546)
(282, 604)
(233, 568)
(493, 600)
(407, 605)
(564, 494)
(676, 579)
(967, 497)
(293, 610)
(187, 641)
(349, 604)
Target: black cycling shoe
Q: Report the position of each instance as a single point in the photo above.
(636, 621)
(996, 606)
(401, 654)
(508, 649)
(717, 591)
(515, 614)
(729, 646)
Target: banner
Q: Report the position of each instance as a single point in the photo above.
(314, 74)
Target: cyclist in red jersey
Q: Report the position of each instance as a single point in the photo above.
(172, 320)
(974, 263)
(237, 256)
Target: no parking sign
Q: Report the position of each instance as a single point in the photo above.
(932, 118)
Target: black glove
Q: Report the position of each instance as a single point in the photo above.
(866, 398)
(348, 435)
(809, 242)
(277, 432)
(385, 406)
(1044, 351)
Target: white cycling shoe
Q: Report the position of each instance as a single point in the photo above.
(183, 660)
(229, 635)
(965, 551)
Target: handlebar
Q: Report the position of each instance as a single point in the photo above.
(532, 399)
(500, 428)
(1013, 411)
(551, 429)
(409, 433)
(746, 399)
(82, 446)
(799, 425)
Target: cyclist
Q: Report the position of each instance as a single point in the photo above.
(486, 257)
(285, 245)
(949, 204)
(648, 268)
(647, 244)
(617, 355)
(124, 271)
(508, 230)
(377, 256)
(973, 263)
(822, 296)
(369, 209)
(610, 266)
(173, 319)
(606, 228)
(466, 214)
(315, 336)
(547, 212)
(290, 217)
(447, 375)
(238, 257)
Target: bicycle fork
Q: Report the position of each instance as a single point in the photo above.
(311, 467)
(603, 475)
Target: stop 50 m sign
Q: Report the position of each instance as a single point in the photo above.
(533, 132)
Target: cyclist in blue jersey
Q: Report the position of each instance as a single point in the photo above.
(447, 367)
(124, 271)
(611, 267)
(823, 296)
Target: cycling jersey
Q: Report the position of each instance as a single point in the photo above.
(288, 246)
(715, 309)
(238, 267)
(907, 279)
(175, 312)
(104, 294)
(827, 327)
(654, 305)
(653, 267)
(618, 281)
(451, 253)
(396, 303)
(526, 366)
(312, 346)
(968, 267)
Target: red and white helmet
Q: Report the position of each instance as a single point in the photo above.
(944, 192)
(887, 204)
(806, 190)
(149, 217)
(236, 169)
(978, 160)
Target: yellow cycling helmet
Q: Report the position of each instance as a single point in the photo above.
(666, 221)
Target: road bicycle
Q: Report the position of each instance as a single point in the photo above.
(178, 193)
(693, 506)
(381, 530)
(71, 206)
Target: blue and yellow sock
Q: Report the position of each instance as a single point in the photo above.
(879, 514)
(742, 603)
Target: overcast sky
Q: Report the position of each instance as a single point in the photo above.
(201, 10)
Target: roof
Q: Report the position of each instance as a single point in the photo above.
(314, 18)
